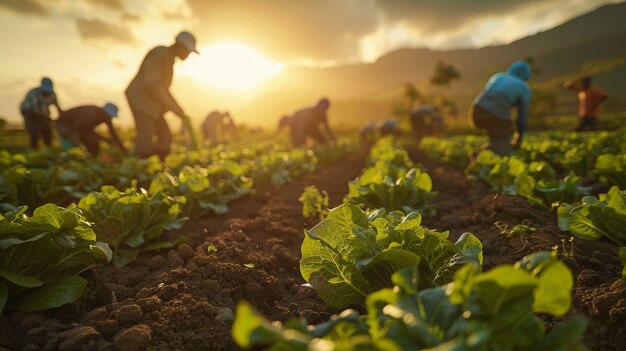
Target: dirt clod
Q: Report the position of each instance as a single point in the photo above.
(135, 338)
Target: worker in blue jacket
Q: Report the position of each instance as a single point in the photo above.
(491, 110)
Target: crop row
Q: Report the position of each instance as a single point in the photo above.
(42, 255)
(533, 173)
(411, 287)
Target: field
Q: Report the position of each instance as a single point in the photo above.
(216, 246)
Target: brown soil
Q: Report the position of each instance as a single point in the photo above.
(465, 205)
(184, 299)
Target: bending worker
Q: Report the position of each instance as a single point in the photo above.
(589, 101)
(149, 97)
(36, 112)
(425, 120)
(216, 125)
(77, 126)
(306, 123)
(492, 108)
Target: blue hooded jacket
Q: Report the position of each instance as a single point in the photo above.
(505, 91)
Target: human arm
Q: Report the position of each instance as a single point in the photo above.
(329, 131)
(55, 102)
(114, 137)
(572, 85)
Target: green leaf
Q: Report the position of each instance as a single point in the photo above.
(55, 294)
(250, 329)
(25, 281)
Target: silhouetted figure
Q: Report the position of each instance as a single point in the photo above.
(36, 112)
(589, 101)
(492, 108)
(149, 97)
(308, 122)
(217, 126)
(389, 126)
(368, 132)
(77, 126)
(425, 121)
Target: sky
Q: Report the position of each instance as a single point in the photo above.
(92, 48)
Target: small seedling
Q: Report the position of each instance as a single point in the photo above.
(314, 203)
(567, 251)
(521, 230)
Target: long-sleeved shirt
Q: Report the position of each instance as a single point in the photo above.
(38, 102)
(505, 91)
(589, 100)
(306, 122)
(149, 91)
(83, 119)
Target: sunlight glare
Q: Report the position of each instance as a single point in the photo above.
(230, 66)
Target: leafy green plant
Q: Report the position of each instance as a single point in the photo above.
(394, 188)
(41, 257)
(314, 203)
(594, 218)
(348, 255)
(566, 253)
(495, 310)
(516, 230)
(132, 221)
(206, 190)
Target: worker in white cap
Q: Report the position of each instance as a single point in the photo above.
(36, 112)
(77, 126)
(149, 97)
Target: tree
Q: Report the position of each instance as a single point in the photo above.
(444, 75)
(412, 96)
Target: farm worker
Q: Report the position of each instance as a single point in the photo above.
(306, 123)
(425, 120)
(76, 126)
(368, 132)
(216, 125)
(589, 101)
(389, 127)
(149, 97)
(36, 112)
(492, 108)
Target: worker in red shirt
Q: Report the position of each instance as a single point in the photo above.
(589, 101)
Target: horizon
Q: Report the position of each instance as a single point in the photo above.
(108, 53)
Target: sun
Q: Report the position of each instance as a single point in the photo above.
(228, 65)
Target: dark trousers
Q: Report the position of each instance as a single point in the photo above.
(148, 127)
(500, 131)
(38, 126)
(587, 123)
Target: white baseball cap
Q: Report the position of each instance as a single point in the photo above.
(188, 41)
(110, 109)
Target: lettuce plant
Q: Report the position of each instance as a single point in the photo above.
(41, 257)
(495, 310)
(594, 218)
(132, 221)
(205, 189)
(348, 255)
(393, 188)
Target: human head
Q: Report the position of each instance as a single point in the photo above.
(46, 85)
(323, 104)
(110, 109)
(586, 82)
(520, 69)
(184, 44)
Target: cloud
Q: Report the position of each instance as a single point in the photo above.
(98, 30)
(25, 7)
(130, 17)
(108, 4)
(287, 29)
(349, 30)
